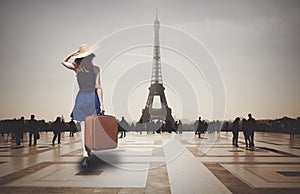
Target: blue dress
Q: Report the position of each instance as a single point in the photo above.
(87, 102)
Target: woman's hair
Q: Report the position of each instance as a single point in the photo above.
(84, 64)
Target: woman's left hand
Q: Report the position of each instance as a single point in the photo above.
(102, 112)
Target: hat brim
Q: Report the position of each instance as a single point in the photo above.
(87, 53)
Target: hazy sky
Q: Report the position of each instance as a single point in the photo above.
(254, 43)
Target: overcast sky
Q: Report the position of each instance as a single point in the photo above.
(220, 59)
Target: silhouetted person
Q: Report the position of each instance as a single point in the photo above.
(73, 128)
(169, 126)
(139, 127)
(179, 127)
(57, 128)
(148, 126)
(176, 125)
(42, 125)
(289, 125)
(226, 127)
(294, 128)
(33, 130)
(196, 126)
(200, 127)
(235, 131)
(245, 131)
(20, 127)
(297, 124)
(251, 125)
(218, 127)
(152, 127)
(205, 126)
(123, 127)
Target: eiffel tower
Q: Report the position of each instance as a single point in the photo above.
(150, 113)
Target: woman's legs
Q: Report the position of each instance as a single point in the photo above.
(84, 151)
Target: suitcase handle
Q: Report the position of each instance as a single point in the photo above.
(101, 113)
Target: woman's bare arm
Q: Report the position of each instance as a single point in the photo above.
(99, 88)
(68, 64)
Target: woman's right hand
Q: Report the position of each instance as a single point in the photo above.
(75, 53)
(68, 64)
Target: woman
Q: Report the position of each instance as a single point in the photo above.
(235, 131)
(89, 100)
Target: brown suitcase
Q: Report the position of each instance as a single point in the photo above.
(101, 132)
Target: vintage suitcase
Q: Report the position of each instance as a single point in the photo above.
(101, 132)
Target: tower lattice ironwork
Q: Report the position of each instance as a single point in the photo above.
(150, 113)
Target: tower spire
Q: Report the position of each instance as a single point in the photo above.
(156, 68)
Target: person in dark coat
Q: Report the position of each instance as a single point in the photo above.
(73, 128)
(179, 127)
(33, 130)
(199, 127)
(20, 127)
(235, 131)
(123, 127)
(251, 125)
(245, 131)
(57, 128)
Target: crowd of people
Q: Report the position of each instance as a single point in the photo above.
(149, 127)
(16, 128)
(248, 127)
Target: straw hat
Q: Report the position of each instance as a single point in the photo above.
(85, 50)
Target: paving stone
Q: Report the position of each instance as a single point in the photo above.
(154, 163)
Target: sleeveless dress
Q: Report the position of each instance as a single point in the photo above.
(87, 102)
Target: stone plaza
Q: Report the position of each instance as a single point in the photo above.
(154, 163)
